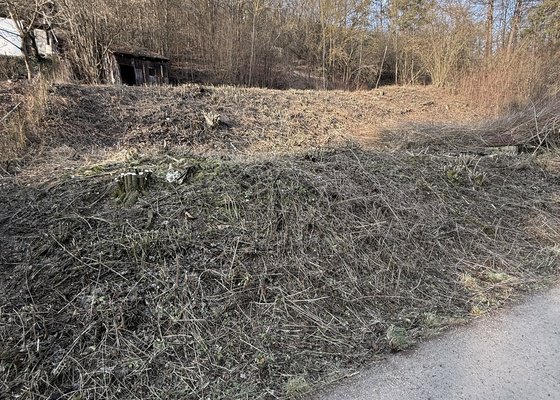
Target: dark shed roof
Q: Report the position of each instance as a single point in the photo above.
(137, 52)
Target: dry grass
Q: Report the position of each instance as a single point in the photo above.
(508, 81)
(259, 120)
(533, 128)
(263, 275)
(256, 276)
(23, 106)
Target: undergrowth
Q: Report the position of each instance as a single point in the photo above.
(506, 81)
(22, 120)
(532, 128)
(261, 278)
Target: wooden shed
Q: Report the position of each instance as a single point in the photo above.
(132, 66)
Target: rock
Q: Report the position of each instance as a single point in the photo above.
(172, 175)
(180, 177)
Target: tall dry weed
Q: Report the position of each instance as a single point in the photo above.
(20, 124)
(508, 81)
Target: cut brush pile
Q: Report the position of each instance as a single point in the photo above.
(258, 279)
(532, 128)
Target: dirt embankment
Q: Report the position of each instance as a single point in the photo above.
(261, 275)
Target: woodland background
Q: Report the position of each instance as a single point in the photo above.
(498, 50)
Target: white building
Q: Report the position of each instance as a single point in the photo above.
(11, 43)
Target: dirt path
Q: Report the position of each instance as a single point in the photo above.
(513, 355)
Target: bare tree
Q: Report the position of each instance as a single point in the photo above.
(337, 43)
(489, 42)
(515, 21)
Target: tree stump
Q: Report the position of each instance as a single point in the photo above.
(212, 120)
(131, 185)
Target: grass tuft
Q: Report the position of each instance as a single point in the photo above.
(297, 386)
(397, 338)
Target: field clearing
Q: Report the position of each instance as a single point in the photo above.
(90, 120)
(310, 233)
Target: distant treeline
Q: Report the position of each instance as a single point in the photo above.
(332, 43)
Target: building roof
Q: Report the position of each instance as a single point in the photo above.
(137, 52)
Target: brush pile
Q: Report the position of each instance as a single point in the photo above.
(532, 128)
(261, 278)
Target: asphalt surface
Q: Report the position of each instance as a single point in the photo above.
(514, 354)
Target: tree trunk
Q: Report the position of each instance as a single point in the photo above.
(323, 46)
(515, 21)
(396, 58)
(503, 23)
(28, 67)
(253, 29)
(489, 29)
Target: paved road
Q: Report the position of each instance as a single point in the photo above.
(512, 355)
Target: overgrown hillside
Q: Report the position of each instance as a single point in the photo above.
(252, 119)
(258, 275)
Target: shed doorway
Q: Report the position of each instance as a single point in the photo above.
(128, 76)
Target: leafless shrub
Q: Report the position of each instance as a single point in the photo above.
(509, 80)
(21, 121)
(11, 68)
